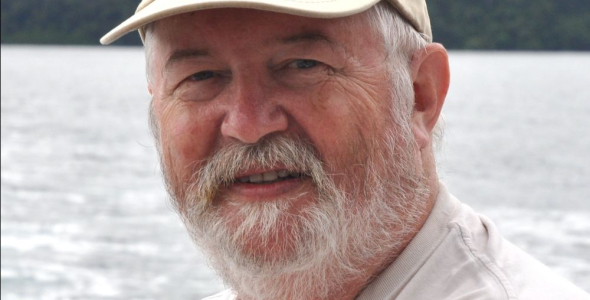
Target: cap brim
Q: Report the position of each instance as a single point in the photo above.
(165, 8)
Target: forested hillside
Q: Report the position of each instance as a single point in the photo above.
(64, 21)
(512, 24)
(459, 24)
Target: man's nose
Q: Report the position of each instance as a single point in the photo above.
(253, 113)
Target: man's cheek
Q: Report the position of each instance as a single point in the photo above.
(181, 141)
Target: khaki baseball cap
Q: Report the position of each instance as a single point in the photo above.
(148, 11)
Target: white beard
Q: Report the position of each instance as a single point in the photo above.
(339, 238)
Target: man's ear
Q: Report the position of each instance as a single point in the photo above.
(430, 77)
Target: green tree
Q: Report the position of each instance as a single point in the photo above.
(458, 24)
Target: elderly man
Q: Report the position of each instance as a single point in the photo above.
(296, 143)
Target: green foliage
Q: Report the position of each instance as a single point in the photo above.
(512, 24)
(64, 21)
(458, 24)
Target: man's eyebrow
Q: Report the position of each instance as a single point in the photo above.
(183, 54)
(180, 55)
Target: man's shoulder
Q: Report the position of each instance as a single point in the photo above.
(460, 254)
(224, 295)
(520, 275)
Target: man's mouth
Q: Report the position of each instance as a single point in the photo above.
(269, 177)
(266, 184)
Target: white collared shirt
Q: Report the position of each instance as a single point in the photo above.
(459, 254)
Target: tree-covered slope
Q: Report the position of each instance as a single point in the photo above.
(458, 24)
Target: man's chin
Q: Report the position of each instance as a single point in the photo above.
(267, 233)
(257, 253)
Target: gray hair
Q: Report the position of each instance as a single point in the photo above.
(400, 41)
(148, 46)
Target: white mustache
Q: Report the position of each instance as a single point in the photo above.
(289, 152)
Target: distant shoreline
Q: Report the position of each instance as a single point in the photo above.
(541, 25)
(541, 51)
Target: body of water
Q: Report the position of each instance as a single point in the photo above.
(85, 215)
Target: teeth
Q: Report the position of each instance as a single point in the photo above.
(256, 178)
(268, 176)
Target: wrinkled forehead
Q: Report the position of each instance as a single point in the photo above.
(246, 28)
(251, 23)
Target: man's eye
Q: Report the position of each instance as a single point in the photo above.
(202, 76)
(304, 63)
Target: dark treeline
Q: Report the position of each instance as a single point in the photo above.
(458, 24)
(64, 21)
(512, 24)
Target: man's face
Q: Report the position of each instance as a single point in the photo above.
(268, 119)
(225, 76)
